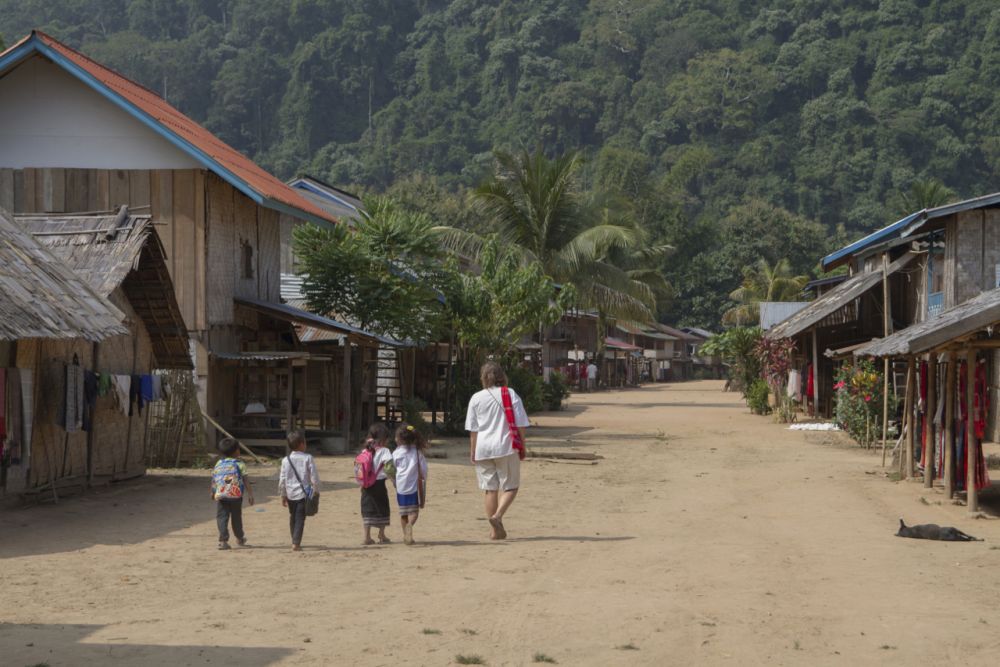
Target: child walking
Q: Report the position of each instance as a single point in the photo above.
(296, 483)
(411, 476)
(229, 484)
(375, 498)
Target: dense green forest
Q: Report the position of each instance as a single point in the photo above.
(735, 129)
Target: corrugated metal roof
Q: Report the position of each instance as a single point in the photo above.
(927, 215)
(619, 344)
(836, 258)
(148, 107)
(336, 202)
(774, 312)
(290, 313)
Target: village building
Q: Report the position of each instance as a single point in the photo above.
(96, 315)
(76, 136)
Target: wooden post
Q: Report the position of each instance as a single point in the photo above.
(290, 396)
(906, 457)
(949, 426)
(815, 374)
(931, 411)
(886, 325)
(304, 403)
(971, 497)
(345, 424)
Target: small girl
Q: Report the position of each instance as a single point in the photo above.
(411, 476)
(375, 499)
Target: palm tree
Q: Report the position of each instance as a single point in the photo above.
(763, 282)
(929, 193)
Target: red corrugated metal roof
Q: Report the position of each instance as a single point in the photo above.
(143, 100)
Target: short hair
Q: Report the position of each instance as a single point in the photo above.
(295, 437)
(228, 446)
(492, 375)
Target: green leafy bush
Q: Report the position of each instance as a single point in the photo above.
(413, 414)
(529, 387)
(859, 398)
(555, 391)
(756, 395)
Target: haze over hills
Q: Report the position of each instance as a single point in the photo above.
(737, 129)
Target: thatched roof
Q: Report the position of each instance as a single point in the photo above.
(115, 250)
(42, 298)
(956, 324)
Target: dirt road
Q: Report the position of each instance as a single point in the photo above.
(705, 536)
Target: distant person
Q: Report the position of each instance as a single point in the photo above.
(297, 482)
(229, 484)
(370, 472)
(411, 477)
(592, 376)
(495, 421)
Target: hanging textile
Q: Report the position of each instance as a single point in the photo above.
(794, 384)
(980, 409)
(14, 415)
(922, 414)
(810, 384)
(27, 411)
(89, 399)
(157, 388)
(121, 385)
(73, 401)
(103, 384)
(135, 395)
(146, 388)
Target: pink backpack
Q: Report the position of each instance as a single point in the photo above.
(365, 473)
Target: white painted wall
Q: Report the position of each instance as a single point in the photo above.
(50, 119)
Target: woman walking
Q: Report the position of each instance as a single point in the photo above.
(495, 422)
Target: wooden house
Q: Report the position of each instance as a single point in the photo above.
(77, 136)
(98, 296)
(657, 350)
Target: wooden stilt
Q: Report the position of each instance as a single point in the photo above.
(906, 456)
(815, 396)
(930, 438)
(971, 496)
(949, 426)
(345, 423)
(886, 325)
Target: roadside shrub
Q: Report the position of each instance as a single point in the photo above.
(859, 388)
(528, 386)
(757, 394)
(555, 391)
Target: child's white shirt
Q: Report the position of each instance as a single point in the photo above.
(381, 456)
(406, 459)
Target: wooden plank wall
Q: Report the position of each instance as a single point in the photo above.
(969, 255)
(56, 190)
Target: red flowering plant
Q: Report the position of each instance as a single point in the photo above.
(776, 360)
(859, 388)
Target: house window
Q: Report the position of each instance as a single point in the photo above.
(935, 280)
(247, 252)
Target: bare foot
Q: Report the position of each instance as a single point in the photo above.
(498, 529)
(382, 539)
(296, 547)
(408, 534)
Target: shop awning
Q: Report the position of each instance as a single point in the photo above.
(952, 325)
(618, 344)
(283, 311)
(839, 297)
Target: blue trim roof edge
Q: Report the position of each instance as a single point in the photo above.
(869, 240)
(34, 45)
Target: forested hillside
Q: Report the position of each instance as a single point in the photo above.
(739, 129)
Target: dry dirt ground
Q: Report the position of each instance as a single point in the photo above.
(705, 536)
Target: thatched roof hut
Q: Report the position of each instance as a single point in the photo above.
(41, 297)
(109, 251)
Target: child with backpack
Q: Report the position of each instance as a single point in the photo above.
(411, 476)
(370, 473)
(298, 485)
(229, 484)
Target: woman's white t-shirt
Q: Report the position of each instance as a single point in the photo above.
(486, 417)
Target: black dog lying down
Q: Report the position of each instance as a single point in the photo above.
(932, 531)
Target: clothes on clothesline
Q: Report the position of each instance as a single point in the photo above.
(89, 399)
(120, 385)
(103, 384)
(794, 384)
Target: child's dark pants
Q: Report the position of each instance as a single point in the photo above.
(227, 509)
(297, 519)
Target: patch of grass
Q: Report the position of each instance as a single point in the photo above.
(469, 631)
(627, 647)
(469, 660)
(924, 501)
(894, 476)
(886, 647)
(431, 631)
(541, 657)
(797, 646)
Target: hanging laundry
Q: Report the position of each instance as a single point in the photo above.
(794, 383)
(135, 401)
(103, 384)
(120, 386)
(27, 411)
(14, 415)
(146, 388)
(157, 388)
(89, 399)
(73, 402)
